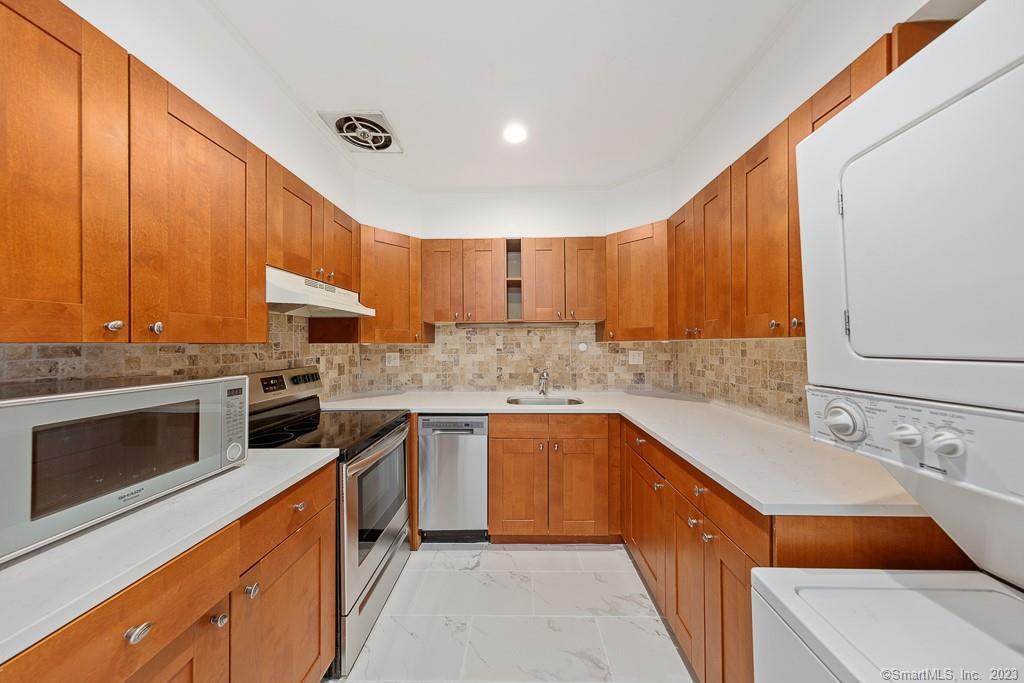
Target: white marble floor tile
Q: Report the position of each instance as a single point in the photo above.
(506, 560)
(640, 649)
(615, 594)
(605, 559)
(461, 593)
(413, 648)
(535, 649)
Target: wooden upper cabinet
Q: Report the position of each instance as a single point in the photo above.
(579, 486)
(517, 487)
(341, 248)
(585, 264)
(637, 286)
(543, 278)
(867, 70)
(391, 269)
(911, 37)
(713, 259)
(483, 280)
(442, 281)
(198, 221)
(63, 177)
(682, 275)
(295, 224)
(760, 238)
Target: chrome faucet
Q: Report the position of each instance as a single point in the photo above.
(545, 377)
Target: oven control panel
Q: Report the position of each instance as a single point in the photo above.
(964, 444)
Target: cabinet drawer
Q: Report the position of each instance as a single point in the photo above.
(170, 599)
(747, 527)
(578, 426)
(631, 436)
(685, 479)
(505, 425)
(275, 520)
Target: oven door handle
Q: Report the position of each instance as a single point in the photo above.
(380, 449)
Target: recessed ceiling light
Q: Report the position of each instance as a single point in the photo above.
(514, 133)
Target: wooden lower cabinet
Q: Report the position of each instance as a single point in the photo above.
(283, 609)
(684, 589)
(199, 655)
(728, 648)
(517, 486)
(578, 487)
(646, 493)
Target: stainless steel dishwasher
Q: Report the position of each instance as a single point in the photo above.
(453, 477)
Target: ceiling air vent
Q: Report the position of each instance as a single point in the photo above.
(365, 131)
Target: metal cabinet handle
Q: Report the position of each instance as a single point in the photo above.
(555, 446)
(299, 507)
(611, 335)
(219, 620)
(540, 446)
(157, 327)
(706, 537)
(640, 442)
(696, 332)
(686, 332)
(136, 634)
(698, 490)
(252, 591)
(320, 271)
(416, 336)
(774, 324)
(795, 323)
(114, 325)
(559, 314)
(330, 275)
(456, 316)
(691, 522)
(573, 314)
(658, 486)
(469, 316)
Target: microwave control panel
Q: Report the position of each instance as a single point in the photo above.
(236, 421)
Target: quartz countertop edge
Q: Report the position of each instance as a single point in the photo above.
(775, 468)
(51, 587)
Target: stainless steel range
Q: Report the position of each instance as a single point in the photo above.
(373, 506)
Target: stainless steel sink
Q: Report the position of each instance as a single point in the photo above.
(544, 401)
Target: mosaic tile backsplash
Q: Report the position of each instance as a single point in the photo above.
(765, 376)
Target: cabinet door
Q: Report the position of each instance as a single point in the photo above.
(341, 248)
(198, 221)
(442, 280)
(517, 487)
(585, 278)
(284, 631)
(713, 259)
(391, 284)
(869, 68)
(684, 590)
(579, 487)
(543, 278)
(760, 238)
(647, 508)
(637, 288)
(682, 306)
(911, 37)
(729, 646)
(483, 278)
(63, 177)
(199, 655)
(295, 224)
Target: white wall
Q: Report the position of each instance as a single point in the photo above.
(514, 213)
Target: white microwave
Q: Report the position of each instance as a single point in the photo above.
(75, 454)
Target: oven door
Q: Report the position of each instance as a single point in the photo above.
(375, 508)
(71, 461)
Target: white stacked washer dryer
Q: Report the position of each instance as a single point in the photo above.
(912, 213)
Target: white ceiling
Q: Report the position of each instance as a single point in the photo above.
(609, 89)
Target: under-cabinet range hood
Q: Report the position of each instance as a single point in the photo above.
(308, 298)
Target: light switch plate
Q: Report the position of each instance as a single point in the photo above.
(391, 360)
(636, 357)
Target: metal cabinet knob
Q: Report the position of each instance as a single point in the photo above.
(219, 620)
(320, 271)
(299, 507)
(559, 314)
(611, 335)
(330, 275)
(691, 522)
(456, 316)
(698, 490)
(416, 336)
(658, 486)
(540, 446)
(469, 316)
(554, 446)
(572, 314)
(114, 325)
(706, 537)
(774, 324)
(136, 634)
(640, 442)
(795, 323)
(696, 332)
(157, 327)
(252, 591)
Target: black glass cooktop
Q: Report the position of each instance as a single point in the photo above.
(296, 426)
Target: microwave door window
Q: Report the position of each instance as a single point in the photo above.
(81, 460)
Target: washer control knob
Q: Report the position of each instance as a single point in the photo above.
(906, 435)
(842, 422)
(948, 444)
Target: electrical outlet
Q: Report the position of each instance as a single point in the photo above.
(391, 360)
(636, 357)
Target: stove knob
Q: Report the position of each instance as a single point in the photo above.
(297, 379)
(845, 421)
(948, 444)
(906, 435)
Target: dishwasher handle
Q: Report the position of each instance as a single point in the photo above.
(469, 432)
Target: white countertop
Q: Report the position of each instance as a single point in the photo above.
(774, 468)
(43, 591)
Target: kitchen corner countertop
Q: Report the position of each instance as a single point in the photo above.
(774, 468)
(49, 588)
